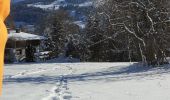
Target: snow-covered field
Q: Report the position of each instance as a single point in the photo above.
(85, 81)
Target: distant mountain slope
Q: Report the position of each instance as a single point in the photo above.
(16, 1)
(61, 4)
(29, 11)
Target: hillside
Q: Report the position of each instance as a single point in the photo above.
(31, 11)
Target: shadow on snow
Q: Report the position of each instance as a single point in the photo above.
(135, 71)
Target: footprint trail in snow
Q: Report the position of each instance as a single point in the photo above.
(60, 91)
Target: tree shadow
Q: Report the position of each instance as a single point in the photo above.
(135, 71)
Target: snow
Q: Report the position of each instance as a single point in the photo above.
(85, 81)
(59, 3)
(86, 4)
(24, 36)
(63, 59)
(81, 24)
(98, 3)
(51, 6)
(74, 12)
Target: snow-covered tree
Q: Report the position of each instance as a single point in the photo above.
(58, 27)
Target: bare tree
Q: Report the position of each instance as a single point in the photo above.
(142, 23)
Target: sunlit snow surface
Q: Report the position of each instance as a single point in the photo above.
(22, 36)
(85, 81)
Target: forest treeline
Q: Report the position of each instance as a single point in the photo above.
(117, 30)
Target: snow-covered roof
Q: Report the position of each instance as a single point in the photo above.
(23, 36)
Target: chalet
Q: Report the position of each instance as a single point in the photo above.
(22, 46)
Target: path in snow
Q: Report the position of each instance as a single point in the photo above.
(85, 81)
(61, 90)
(58, 92)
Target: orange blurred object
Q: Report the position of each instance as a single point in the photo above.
(4, 11)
